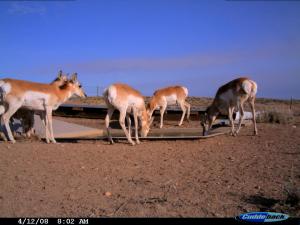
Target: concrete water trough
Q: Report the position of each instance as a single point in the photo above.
(66, 130)
(99, 112)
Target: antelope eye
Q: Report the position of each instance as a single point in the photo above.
(80, 86)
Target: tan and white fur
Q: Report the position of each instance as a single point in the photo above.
(127, 101)
(231, 97)
(37, 97)
(169, 96)
(26, 116)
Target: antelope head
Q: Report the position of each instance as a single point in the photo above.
(146, 122)
(207, 119)
(76, 87)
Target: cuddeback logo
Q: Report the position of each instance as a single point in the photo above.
(262, 217)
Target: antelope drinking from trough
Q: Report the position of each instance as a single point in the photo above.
(229, 97)
(37, 97)
(128, 101)
(169, 96)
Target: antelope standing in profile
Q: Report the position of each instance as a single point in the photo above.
(228, 97)
(128, 101)
(169, 96)
(38, 97)
(27, 116)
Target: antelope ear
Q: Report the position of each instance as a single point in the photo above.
(74, 77)
(60, 74)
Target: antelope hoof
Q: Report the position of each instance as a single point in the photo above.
(12, 141)
(111, 142)
(138, 142)
(132, 143)
(53, 141)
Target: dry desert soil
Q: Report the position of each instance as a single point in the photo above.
(221, 176)
(218, 177)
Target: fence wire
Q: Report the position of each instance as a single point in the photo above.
(94, 90)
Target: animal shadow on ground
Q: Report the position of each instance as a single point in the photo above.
(290, 204)
(261, 202)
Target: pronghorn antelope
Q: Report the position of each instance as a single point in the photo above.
(27, 116)
(128, 101)
(169, 96)
(36, 97)
(229, 97)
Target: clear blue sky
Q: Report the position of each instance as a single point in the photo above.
(153, 43)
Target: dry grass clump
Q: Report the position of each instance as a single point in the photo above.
(92, 100)
(275, 115)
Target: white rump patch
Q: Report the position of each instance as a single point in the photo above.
(254, 88)
(185, 91)
(6, 87)
(111, 94)
(247, 86)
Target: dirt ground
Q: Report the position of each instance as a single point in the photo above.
(218, 177)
